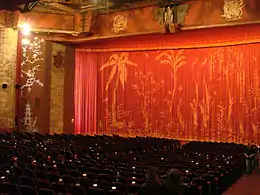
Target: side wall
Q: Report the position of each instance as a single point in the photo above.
(8, 44)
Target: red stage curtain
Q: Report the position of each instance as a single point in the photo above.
(85, 93)
(209, 94)
(190, 86)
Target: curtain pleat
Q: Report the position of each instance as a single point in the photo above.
(85, 93)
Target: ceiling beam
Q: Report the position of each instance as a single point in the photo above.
(62, 7)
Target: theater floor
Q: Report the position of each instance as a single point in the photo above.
(247, 185)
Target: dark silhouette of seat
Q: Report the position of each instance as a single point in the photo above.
(95, 191)
(27, 181)
(27, 190)
(77, 190)
(45, 192)
(10, 189)
(42, 183)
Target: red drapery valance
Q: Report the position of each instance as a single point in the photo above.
(201, 38)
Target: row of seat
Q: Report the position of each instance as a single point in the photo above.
(76, 164)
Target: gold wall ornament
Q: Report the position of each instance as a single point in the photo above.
(119, 23)
(58, 60)
(233, 9)
(57, 88)
(168, 17)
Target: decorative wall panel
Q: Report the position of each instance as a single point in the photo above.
(8, 45)
(57, 88)
(34, 87)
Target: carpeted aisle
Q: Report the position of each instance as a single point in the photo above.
(247, 185)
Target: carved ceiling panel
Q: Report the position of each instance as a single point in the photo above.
(72, 6)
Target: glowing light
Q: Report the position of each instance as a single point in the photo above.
(114, 187)
(26, 29)
(94, 185)
(25, 42)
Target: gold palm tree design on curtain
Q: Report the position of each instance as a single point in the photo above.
(176, 59)
(119, 63)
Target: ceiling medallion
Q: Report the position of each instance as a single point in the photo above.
(119, 23)
(233, 9)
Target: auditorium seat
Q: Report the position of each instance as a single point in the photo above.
(77, 164)
(26, 190)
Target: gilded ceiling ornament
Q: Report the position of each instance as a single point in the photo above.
(166, 17)
(233, 9)
(119, 23)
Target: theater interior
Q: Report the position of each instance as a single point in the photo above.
(129, 97)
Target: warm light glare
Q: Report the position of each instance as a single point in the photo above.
(25, 41)
(26, 29)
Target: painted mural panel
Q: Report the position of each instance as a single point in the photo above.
(33, 85)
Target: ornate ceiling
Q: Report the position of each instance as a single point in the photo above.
(72, 6)
(76, 21)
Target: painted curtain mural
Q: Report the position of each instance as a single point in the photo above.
(210, 94)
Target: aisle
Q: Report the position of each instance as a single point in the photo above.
(247, 185)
